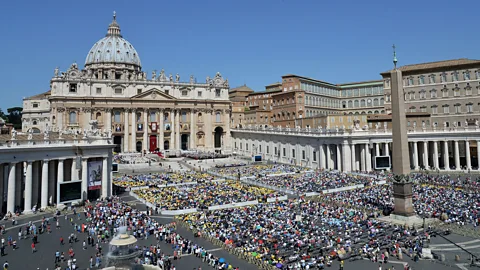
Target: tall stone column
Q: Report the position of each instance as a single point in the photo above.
(323, 164)
(377, 149)
(52, 182)
(193, 125)
(172, 128)
(108, 124)
(11, 188)
(478, 155)
(446, 160)
(353, 153)
(467, 155)
(209, 143)
(346, 158)
(126, 131)
(425, 154)
(162, 130)
(19, 189)
(435, 155)
(73, 170)
(145, 130)
(329, 156)
(177, 128)
(87, 116)
(339, 158)
(387, 149)
(60, 122)
(363, 158)
(457, 155)
(84, 178)
(60, 176)
(36, 180)
(28, 188)
(3, 186)
(44, 196)
(226, 120)
(415, 155)
(133, 145)
(105, 177)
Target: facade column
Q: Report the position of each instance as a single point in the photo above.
(11, 188)
(346, 166)
(329, 157)
(446, 160)
(377, 149)
(415, 155)
(105, 170)
(145, 130)
(60, 178)
(109, 119)
(192, 128)
(162, 130)
(387, 149)
(60, 122)
(435, 155)
(354, 158)
(172, 128)
(28, 189)
(125, 130)
(368, 157)
(478, 155)
(467, 155)
(87, 116)
(209, 143)
(74, 171)
(362, 158)
(84, 178)
(177, 128)
(339, 158)
(425, 155)
(457, 156)
(226, 119)
(323, 163)
(44, 196)
(133, 145)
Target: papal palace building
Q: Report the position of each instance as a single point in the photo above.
(144, 113)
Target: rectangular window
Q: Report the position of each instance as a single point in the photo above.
(455, 76)
(167, 92)
(99, 91)
(468, 91)
(293, 153)
(314, 154)
(410, 81)
(433, 94)
(235, 145)
(469, 108)
(118, 91)
(466, 75)
(445, 92)
(456, 92)
(260, 148)
(275, 151)
(458, 109)
(246, 146)
(152, 116)
(434, 110)
(184, 93)
(241, 146)
(35, 105)
(446, 109)
(432, 78)
(284, 152)
(303, 154)
(199, 93)
(423, 109)
(139, 127)
(217, 92)
(268, 150)
(443, 78)
(184, 116)
(73, 88)
(116, 117)
(139, 91)
(421, 80)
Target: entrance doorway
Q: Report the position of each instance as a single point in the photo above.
(117, 141)
(218, 137)
(184, 141)
(138, 146)
(153, 143)
(166, 145)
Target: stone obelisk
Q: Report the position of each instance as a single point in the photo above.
(402, 186)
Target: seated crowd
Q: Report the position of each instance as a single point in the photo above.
(203, 155)
(154, 179)
(203, 195)
(136, 158)
(256, 170)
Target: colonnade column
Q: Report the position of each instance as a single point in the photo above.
(467, 155)
(362, 158)
(162, 130)
(415, 155)
(354, 158)
(60, 178)
(446, 160)
(457, 155)
(145, 130)
(172, 128)
(425, 154)
(387, 150)
(368, 157)
(125, 132)
(133, 145)
(11, 188)
(177, 128)
(44, 195)
(329, 157)
(192, 129)
(209, 144)
(105, 177)
(339, 158)
(346, 166)
(84, 178)
(226, 120)
(478, 155)
(435, 155)
(377, 149)
(74, 171)
(28, 188)
(109, 119)
(323, 163)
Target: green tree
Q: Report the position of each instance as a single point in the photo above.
(15, 117)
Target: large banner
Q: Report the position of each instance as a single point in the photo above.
(95, 174)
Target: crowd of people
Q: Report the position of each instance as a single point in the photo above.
(160, 179)
(132, 158)
(198, 155)
(258, 170)
(203, 195)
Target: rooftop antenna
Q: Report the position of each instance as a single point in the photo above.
(394, 57)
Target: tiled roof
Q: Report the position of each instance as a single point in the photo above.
(39, 96)
(243, 88)
(438, 64)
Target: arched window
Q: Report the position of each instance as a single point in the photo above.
(381, 101)
(350, 104)
(375, 102)
(362, 103)
(356, 104)
(218, 117)
(116, 117)
(98, 117)
(73, 117)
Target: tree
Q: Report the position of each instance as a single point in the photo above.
(15, 117)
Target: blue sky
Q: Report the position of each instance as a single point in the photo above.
(250, 42)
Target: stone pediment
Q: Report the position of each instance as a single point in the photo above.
(153, 94)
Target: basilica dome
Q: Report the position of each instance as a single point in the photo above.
(113, 48)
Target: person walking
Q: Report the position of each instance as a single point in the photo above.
(33, 247)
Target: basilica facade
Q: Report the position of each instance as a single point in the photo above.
(143, 113)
